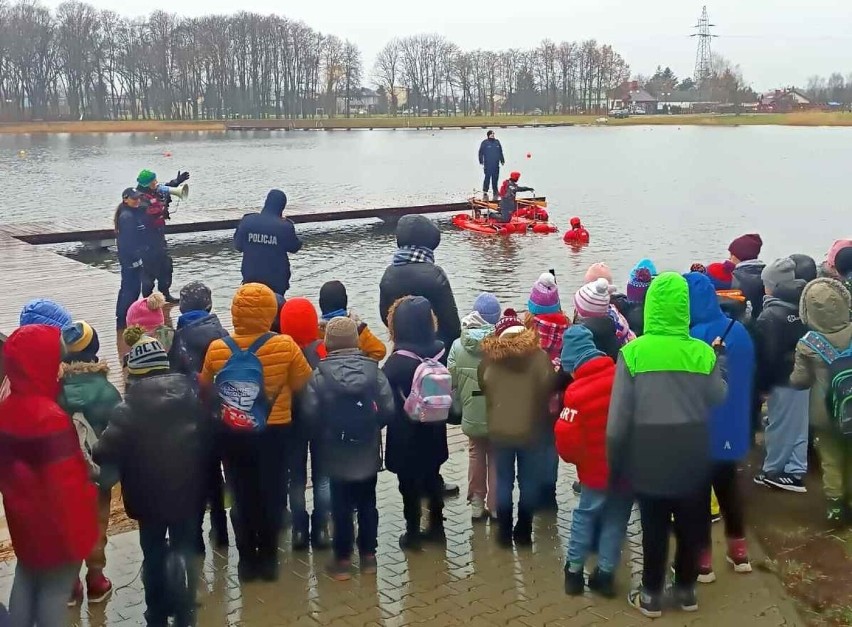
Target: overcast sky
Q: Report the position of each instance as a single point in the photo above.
(775, 42)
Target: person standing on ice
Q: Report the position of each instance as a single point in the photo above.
(491, 158)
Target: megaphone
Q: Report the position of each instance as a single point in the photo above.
(181, 192)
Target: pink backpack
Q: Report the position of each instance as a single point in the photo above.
(431, 394)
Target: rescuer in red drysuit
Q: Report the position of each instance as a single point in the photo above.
(578, 233)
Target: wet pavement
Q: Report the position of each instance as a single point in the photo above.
(470, 582)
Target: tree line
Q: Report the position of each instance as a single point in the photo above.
(79, 62)
(834, 89)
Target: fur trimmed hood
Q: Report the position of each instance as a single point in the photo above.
(82, 367)
(505, 348)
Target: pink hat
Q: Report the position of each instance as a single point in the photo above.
(147, 312)
(544, 297)
(836, 247)
(598, 271)
(592, 300)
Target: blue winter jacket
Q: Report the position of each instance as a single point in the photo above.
(265, 239)
(491, 155)
(730, 422)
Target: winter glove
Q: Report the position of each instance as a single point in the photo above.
(181, 177)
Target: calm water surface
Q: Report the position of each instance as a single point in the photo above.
(677, 195)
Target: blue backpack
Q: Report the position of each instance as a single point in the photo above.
(242, 396)
(839, 393)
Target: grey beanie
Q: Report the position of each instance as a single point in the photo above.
(779, 271)
(341, 333)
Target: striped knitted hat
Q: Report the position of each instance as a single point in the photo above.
(146, 355)
(592, 300)
(509, 324)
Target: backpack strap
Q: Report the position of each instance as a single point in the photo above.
(259, 342)
(821, 346)
(405, 353)
(230, 343)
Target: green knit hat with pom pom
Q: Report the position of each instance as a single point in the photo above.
(146, 177)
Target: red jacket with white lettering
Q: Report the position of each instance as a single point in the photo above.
(581, 428)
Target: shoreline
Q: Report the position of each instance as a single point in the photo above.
(804, 118)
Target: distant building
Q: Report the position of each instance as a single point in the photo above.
(783, 101)
(362, 101)
(629, 95)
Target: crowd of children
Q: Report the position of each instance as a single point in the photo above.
(651, 394)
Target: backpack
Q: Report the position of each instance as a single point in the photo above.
(244, 406)
(351, 418)
(431, 396)
(839, 394)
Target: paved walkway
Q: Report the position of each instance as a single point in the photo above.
(471, 582)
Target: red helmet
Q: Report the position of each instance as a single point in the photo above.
(575, 222)
(515, 176)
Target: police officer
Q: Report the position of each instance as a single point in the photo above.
(266, 239)
(490, 158)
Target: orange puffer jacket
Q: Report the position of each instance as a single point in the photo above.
(285, 369)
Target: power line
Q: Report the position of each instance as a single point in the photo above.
(703, 56)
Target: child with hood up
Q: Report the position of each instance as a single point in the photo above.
(50, 502)
(825, 310)
(463, 362)
(197, 328)
(602, 512)
(828, 269)
(147, 313)
(334, 302)
(89, 398)
(159, 438)
(518, 379)
(298, 319)
(414, 451)
(593, 301)
(730, 422)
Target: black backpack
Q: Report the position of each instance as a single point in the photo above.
(351, 418)
(839, 393)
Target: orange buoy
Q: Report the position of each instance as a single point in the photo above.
(529, 155)
(167, 154)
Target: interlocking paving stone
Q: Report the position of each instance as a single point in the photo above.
(469, 582)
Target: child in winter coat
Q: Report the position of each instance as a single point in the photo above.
(463, 362)
(517, 378)
(159, 440)
(777, 331)
(546, 318)
(148, 314)
(658, 438)
(298, 319)
(345, 405)
(581, 439)
(196, 330)
(415, 451)
(256, 462)
(89, 398)
(593, 301)
(843, 265)
(744, 252)
(50, 503)
(825, 310)
(334, 302)
(729, 423)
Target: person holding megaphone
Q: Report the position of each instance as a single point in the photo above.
(157, 263)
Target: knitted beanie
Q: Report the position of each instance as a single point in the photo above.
(544, 297)
(509, 324)
(721, 274)
(746, 247)
(637, 286)
(44, 311)
(146, 355)
(598, 271)
(195, 296)
(145, 178)
(843, 262)
(81, 343)
(487, 306)
(333, 297)
(341, 333)
(592, 300)
(648, 264)
(147, 312)
(779, 271)
(578, 347)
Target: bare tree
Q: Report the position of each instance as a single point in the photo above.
(351, 67)
(387, 71)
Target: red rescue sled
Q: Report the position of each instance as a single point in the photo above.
(530, 216)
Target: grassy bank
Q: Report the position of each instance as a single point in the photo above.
(808, 118)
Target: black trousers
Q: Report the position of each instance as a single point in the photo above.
(161, 601)
(158, 268)
(416, 486)
(690, 523)
(724, 483)
(346, 498)
(214, 494)
(255, 463)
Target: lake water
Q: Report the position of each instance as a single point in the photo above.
(674, 194)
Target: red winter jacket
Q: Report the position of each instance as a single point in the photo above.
(581, 428)
(49, 500)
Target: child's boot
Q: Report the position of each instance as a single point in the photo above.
(523, 529)
(320, 538)
(435, 532)
(603, 583)
(98, 586)
(575, 581)
(738, 555)
(705, 567)
(504, 528)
